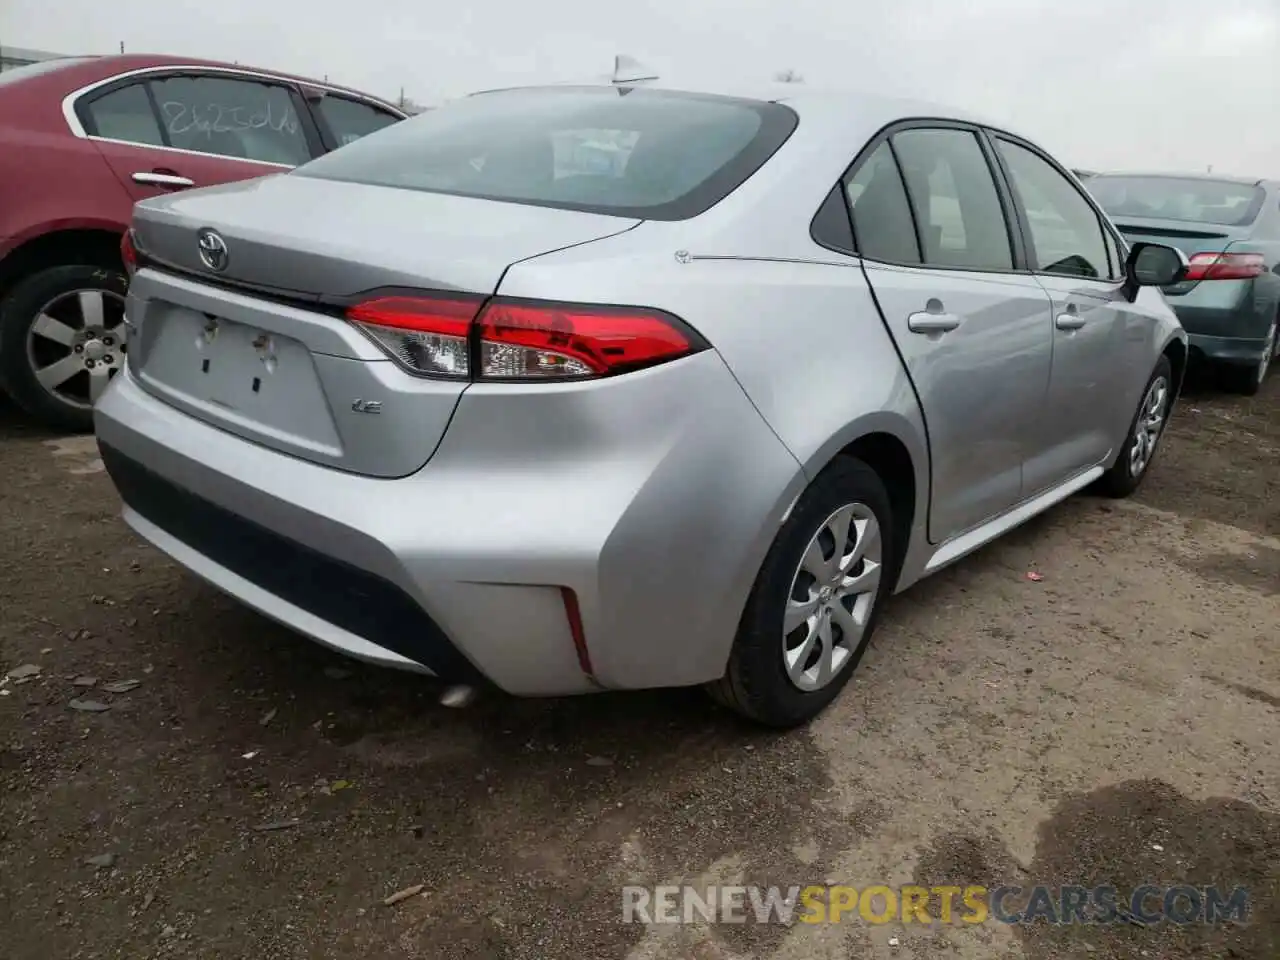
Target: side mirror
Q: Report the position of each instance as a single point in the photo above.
(1154, 265)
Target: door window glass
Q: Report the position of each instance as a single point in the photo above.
(350, 119)
(882, 225)
(1115, 255)
(232, 118)
(955, 199)
(124, 114)
(1066, 234)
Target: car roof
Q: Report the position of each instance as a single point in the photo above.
(85, 71)
(1166, 175)
(801, 97)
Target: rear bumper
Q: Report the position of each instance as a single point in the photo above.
(458, 569)
(344, 607)
(1227, 349)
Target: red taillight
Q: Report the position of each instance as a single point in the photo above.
(429, 335)
(129, 253)
(465, 338)
(523, 340)
(1226, 266)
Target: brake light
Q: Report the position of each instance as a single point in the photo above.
(526, 340)
(467, 338)
(129, 253)
(429, 335)
(1226, 266)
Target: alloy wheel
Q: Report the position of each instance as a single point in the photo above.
(76, 344)
(831, 597)
(1149, 424)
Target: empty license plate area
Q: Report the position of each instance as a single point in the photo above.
(248, 379)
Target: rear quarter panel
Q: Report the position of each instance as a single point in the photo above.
(802, 338)
(51, 181)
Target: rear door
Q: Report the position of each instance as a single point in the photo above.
(1100, 343)
(973, 331)
(170, 131)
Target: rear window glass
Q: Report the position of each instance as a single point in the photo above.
(639, 153)
(1190, 199)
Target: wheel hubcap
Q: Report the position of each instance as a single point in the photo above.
(832, 594)
(76, 344)
(1146, 432)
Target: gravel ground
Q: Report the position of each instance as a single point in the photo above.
(1117, 720)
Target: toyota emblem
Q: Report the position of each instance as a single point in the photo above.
(213, 250)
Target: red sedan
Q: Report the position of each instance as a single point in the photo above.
(82, 139)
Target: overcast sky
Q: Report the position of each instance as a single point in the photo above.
(1152, 84)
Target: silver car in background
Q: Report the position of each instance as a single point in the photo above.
(612, 387)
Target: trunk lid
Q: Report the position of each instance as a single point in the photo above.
(258, 350)
(1190, 238)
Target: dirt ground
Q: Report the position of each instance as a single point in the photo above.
(1117, 721)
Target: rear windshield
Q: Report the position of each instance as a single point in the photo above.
(641, 153)
(40, 67)
(1190, 199)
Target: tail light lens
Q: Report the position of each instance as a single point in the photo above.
(129, 253)
(1226, 266)
(498, 339)
(428, 335)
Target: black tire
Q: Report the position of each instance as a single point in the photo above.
(755, 683)
(18, 311)
(1120, 480)
(1247, 381)
(1242, 381)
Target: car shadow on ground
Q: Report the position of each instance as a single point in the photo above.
(16, 423)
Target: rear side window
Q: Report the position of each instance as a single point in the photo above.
(954, 195)
(125, 114)
(1189, 199)
(882, 224)
(349, 120)
(652, 154)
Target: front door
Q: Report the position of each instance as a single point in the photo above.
(973, 333)
(1096, 334)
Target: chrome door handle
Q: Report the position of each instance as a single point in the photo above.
(932, 322)
(1069, 321)
(162, 180)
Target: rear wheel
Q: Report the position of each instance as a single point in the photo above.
(1144, 434)
(62, 338)
(815, 602)
(1249, 380)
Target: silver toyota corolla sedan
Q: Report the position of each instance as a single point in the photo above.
(568, 389)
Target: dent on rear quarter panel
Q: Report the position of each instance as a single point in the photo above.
(804, 340)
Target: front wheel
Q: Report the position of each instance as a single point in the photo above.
(62, 337)
(1144, 434)
(815, 601)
